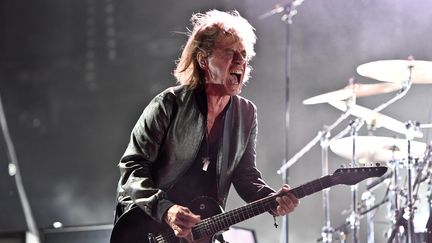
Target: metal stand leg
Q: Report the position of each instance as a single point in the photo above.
(394, 208)
(409, 210)
(354, 217)
(327, 230)
(369, 200)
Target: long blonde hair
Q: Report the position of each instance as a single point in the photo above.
(207, 28)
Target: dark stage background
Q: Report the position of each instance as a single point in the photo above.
(76, 74)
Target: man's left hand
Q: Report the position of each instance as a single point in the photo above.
(287, 203)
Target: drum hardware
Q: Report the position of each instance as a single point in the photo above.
(406, 86)
(400, 221)
(341, 231)
(410, 201)
(376, 149)
(373, 118)
(369, 199)
(400, 154)
(324, 132)
(409, 131)
(327, 230)
(411, 72)
(354, 127)
(322, 136)
(372, 185)
(428, 158)
(402, 214)
(354, 218)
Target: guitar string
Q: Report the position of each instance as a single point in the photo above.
(223, 220)
(230, 218)
(166, 237)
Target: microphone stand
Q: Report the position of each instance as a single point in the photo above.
(289, 10)
(410, 207)
(15, 172)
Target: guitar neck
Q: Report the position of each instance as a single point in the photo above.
(222, 221)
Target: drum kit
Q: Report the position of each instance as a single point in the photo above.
(408, 183)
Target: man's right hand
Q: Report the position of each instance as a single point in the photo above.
(181, 220)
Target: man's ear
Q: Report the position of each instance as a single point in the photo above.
(202, 61)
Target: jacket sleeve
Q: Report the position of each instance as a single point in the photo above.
(141, 153)
(247, 179)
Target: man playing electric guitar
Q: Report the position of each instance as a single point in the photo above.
(198, 138)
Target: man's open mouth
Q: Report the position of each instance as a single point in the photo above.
(236, 77)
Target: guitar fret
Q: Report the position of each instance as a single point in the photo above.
(207, 227)
(222, 221)
(304, 193)
(212, 227)
(219, 225)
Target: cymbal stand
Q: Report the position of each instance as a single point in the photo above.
(404, 216)
(327, 230)
(428, 161)
(394, 207)
(406, 86)
(395, 211)
(369, 199)
(342, 230)
(322, 136)
(355, 215)
(409, 209)
(312, 143)
(410, 201)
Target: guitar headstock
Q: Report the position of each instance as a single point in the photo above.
(352, 176)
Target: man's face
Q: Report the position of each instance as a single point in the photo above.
(226, 65)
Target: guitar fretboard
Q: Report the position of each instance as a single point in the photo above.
(217, 223)
(210, 226)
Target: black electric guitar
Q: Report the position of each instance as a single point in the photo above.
(135, 226)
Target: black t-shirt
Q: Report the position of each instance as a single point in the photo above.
(197, 181)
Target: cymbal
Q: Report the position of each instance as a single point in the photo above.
(357, 89)
(376, 149)
(398, 71)
(373, 118)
